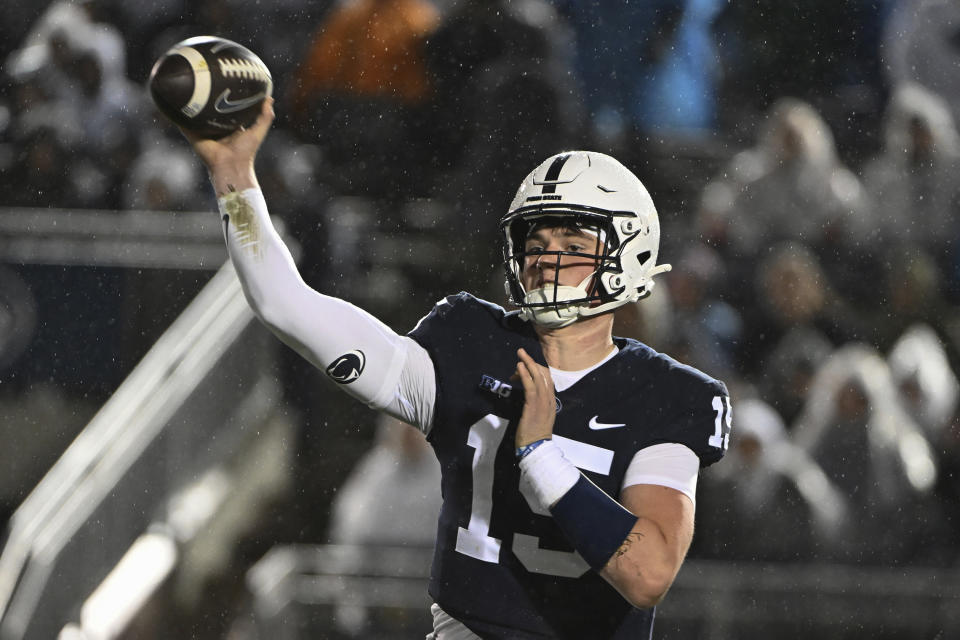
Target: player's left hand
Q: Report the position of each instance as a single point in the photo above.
(539, 403)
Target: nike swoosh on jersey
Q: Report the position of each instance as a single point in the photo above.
(225, 105)
(596, 426)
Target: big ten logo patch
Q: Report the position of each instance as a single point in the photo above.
(498, 387)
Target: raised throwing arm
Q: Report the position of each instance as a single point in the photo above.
(393, 372)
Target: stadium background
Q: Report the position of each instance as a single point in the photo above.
(169, 470)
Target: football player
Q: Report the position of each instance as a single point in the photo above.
(569, 457)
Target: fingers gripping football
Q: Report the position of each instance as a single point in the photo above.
(230, 160)
(239, 147)
(539, 405)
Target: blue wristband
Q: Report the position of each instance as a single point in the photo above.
(592, 521)
(527, 449)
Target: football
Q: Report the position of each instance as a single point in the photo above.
(210, 86)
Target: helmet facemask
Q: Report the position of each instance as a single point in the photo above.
(624, 256)
(554, 305)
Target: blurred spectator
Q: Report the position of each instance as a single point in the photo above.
(370, 48)
(361, 89)
(713, 212)
(50, 49)
(920, 45)
(679, 95)
(390, 498)
(795, 188)
(911, 292)
(164, 177)
(772, 489)
(788, 369)
(39, 47)
(110, 112)
(791, 292)
(107, 102)
(926, 383)
(392, 495)
(41, 174)
(791, 186)
(913, 181)
(857, 429)
(929, 390)
(72, 77)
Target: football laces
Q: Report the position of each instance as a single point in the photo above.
(240, 68)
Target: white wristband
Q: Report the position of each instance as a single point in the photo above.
(549, 474)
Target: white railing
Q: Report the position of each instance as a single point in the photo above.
(180, 411)
(134, 239)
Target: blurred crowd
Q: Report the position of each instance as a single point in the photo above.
(804, 160)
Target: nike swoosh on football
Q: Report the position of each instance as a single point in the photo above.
(225, 105)
(596, 426)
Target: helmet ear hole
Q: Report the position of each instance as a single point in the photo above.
(643, 256)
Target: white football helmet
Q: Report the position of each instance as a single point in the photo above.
(591, 192)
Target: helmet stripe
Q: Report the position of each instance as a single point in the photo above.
(553, 173)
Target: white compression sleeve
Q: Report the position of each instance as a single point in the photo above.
(394, 373)
(669, 464)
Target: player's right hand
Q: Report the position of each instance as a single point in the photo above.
(230, 160)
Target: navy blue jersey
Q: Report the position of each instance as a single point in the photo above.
(502, 566)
